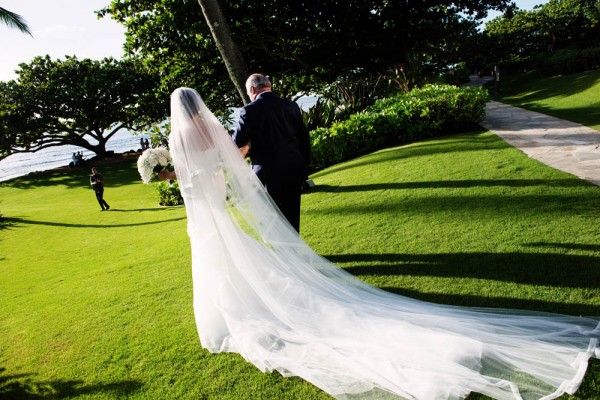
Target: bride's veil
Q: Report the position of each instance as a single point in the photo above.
(260, 290)
(199, 143)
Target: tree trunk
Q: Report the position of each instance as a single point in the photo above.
(236, 66)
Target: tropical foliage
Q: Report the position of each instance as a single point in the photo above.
(426, 112)
(13, 20)
(301, 44)
(559, 25)
(76, 102)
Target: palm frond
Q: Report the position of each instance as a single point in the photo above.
(14, 20)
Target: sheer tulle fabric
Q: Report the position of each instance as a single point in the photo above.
(260, 291)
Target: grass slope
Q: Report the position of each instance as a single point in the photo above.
(98, 305)
(572, 97)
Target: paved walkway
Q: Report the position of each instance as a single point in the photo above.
(561, 144)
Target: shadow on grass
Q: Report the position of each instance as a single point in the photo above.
(543, 87)
(120, 172)
(23, 386)
(15, 221)
(570, 246)
(546, 269)
(588, 116)
(499, 302)
(460, 143)
(160, 208)
(548, 87)
(453, 184)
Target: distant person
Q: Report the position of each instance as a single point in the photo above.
(142, 144)
(272, 132)
(147, 144)
(97, 182)
(75, 160)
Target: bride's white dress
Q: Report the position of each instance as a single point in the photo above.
(260, 291)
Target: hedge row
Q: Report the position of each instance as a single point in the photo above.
(426, 112)
(560, 62)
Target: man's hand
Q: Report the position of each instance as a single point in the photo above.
(166, 175)
(245, 149)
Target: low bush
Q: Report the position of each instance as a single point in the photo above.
(569, 61)
(457, 76)
(168, 194)
(426, 112)
(559, 62)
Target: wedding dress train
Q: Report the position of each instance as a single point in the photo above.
(260, 291)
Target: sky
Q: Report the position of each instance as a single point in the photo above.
(70, 27)
(59, 28)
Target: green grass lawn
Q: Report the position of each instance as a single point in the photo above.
(98, 305)
(572, 97)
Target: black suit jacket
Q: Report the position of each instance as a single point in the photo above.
(276, 132)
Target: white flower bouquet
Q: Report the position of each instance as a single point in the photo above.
(152, 161)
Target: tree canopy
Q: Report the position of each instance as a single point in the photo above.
(300, 44)
(76, 102)
(551, 26)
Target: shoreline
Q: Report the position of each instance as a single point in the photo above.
(89, 163)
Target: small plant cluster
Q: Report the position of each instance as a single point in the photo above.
(353, 93)
(429, 111)
(168, 194)
(458, 75)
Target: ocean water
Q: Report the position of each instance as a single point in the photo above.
(22, 164)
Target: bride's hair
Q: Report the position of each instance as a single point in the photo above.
(188, 113)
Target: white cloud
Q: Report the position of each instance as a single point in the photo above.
(61, 29)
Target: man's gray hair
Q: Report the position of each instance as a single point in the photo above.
(258, 81)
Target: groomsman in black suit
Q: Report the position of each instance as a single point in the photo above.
(272, 132)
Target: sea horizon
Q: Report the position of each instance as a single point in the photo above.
(21, 164)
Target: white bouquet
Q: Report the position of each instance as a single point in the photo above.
(153, 161)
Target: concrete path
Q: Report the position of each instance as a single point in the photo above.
(561, 144)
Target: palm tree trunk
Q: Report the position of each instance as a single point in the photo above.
(236, 66)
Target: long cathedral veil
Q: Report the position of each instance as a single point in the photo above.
(261, 291)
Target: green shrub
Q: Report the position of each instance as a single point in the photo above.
(168, 195)
(350, 94)
(322, 114)
(559, 62)
(569, 61)
(457, 76)
(426, 112)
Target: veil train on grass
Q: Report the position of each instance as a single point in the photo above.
(262, 292)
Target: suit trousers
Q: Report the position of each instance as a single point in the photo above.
(99, 197)
(285, 188)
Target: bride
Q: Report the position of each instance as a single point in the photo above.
(260, 291)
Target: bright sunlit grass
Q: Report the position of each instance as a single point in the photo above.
(98, 305)
(573, 97)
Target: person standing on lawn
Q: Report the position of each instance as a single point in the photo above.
(97, 182)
